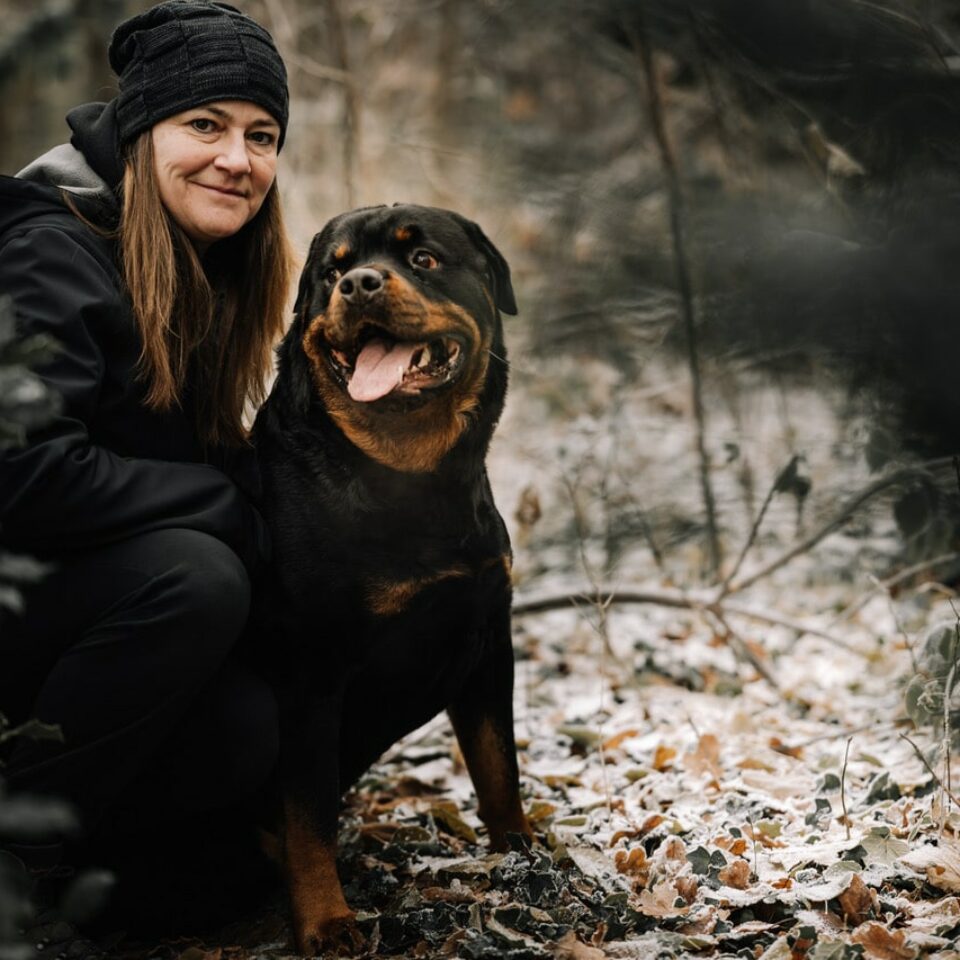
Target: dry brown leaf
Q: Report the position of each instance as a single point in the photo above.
(702, 925)
(562, 780)
(634, 864)
(649, 824)
(568, 947)
(540, 810)
(619, 738)
(736, 875)
(687, 887)
(673, 848)
(706, 758)
(460, 894)
(941, 864)
(777, 744)
(885, 944)
(663, 758)
(661, 900)
(856, 902)
(751, 763)
(784, 883)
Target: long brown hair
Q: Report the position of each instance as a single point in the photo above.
(215, 320)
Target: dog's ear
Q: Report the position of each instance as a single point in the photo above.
(499, 268)
(306, 277)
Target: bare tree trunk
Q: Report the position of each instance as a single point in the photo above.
(677, 219)
(351, 101)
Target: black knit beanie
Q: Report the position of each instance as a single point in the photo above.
(183, 53)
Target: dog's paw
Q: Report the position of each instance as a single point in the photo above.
(334, 934)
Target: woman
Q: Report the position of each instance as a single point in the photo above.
(152, 248)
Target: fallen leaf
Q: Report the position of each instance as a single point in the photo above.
(880, 942)
(777, 744)
(663, 758)
(634, 864)
(706, 758)
(540, 810)
(941, 864)
(661, 901)
(619, 738)
(568, 947)
(856, 902)
(687, 887)
(736, 875)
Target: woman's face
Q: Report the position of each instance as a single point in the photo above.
(214, 165)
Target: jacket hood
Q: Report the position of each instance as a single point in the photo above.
(88, 167)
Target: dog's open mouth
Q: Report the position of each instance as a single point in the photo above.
(380, 365)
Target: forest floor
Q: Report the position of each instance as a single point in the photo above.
(703, 781)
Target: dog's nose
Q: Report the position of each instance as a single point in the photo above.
(361, 284)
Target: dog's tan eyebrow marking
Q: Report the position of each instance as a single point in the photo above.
(341, 251)
(403, 233)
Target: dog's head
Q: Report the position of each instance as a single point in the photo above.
(398, 319)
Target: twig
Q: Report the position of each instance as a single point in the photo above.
(742, 650)
(771, 493)
(843, 787)
(890, 582)
(677, 217)
(930, 770)
(803, 744)
(676, 600)
(852, 505)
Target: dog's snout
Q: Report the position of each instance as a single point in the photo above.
(361, 284)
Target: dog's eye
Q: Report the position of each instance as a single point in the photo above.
(424, 259)
(331, 275)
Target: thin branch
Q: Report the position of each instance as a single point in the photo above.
(742, 650)
(771, 493)
(843, 786)
(677, 217)
(890, 582)
(844, 514)
(676, 600)
(930, 770)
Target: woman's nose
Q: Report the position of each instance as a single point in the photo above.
(233, 157)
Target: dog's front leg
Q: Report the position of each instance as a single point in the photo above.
(311, 801)
(482, 717)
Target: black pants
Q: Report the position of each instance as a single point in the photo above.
(128, 649)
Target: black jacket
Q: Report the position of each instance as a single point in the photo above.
(107, 467)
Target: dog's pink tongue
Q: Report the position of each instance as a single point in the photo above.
(379, 369)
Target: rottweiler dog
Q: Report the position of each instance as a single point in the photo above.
(390, 595)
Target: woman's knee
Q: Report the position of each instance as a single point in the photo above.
(210, 581)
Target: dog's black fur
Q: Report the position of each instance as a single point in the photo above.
(390, 595)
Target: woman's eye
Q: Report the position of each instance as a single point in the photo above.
(262, 138)
(424, 259)
(332, 275)
(203, 125)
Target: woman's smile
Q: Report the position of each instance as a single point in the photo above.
(214, 165)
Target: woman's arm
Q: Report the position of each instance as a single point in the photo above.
(61, 492)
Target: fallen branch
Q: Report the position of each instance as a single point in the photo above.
(677, 600)
(891, 479)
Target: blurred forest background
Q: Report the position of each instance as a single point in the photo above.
(777, 184)
(733, 231)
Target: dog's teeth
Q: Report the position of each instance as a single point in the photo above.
(424, 357)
